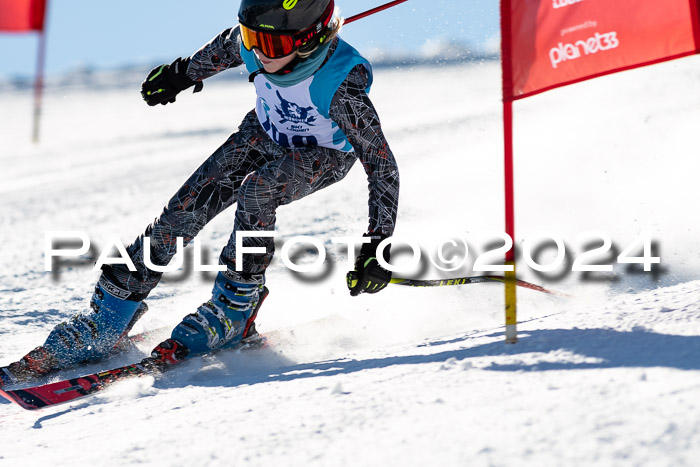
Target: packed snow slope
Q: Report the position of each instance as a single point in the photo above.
(411, 376)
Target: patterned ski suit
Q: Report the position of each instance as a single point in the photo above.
(254, 171)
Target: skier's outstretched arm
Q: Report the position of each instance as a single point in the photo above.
(219, 54)
(354, 113)
(165, 82)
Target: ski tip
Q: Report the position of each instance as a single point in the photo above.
(23, 399)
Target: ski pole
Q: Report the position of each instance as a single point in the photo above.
(471, 280)
(373, 11)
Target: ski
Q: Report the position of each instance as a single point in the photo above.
(68, 390)
(123, 346)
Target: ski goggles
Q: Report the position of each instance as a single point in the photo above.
(281, 44)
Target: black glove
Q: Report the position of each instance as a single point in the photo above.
(164, 82)
(369, 276)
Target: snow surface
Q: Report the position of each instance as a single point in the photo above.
(410, 376)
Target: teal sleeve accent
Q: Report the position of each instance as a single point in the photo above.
(327, 80)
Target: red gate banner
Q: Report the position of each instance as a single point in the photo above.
(22, 15)
(553, 43)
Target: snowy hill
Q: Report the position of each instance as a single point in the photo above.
(410, 376)
(435, 53)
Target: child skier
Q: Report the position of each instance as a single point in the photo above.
(312, 120)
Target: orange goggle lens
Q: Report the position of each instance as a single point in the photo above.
(270, 44)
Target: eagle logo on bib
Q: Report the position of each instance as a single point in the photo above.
(291, 112)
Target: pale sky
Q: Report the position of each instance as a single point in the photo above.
(110, 34)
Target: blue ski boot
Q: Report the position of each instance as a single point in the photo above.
(93, 336)
(225, 321)
(84, 338)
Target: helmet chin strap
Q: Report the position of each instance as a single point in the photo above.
(282, 71)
